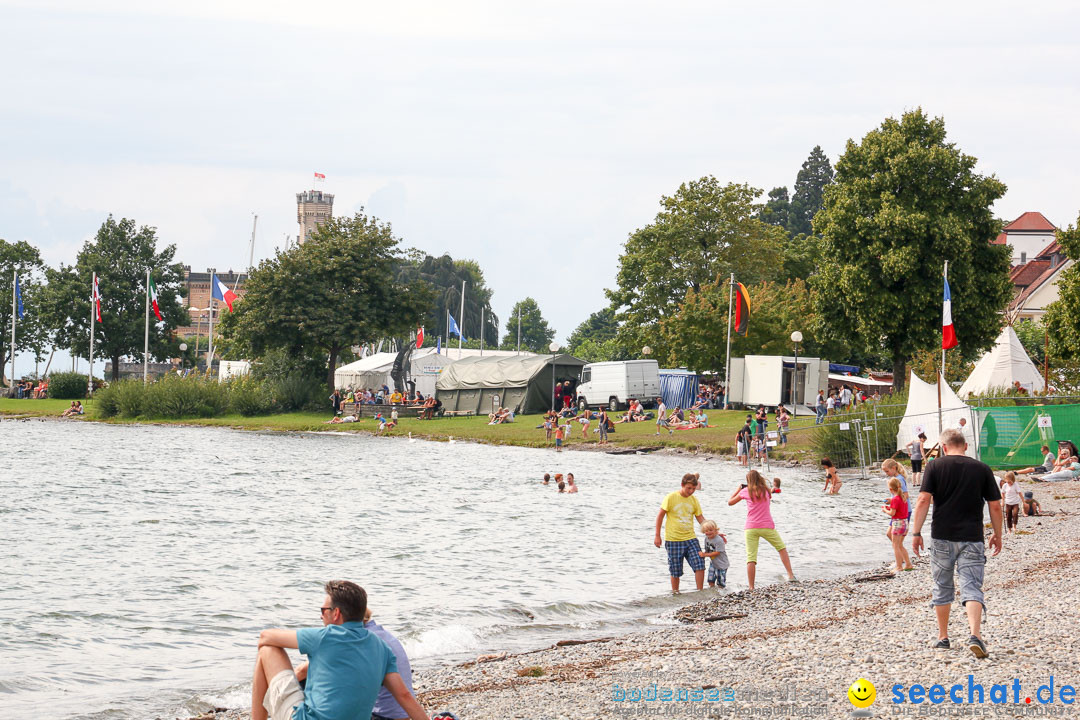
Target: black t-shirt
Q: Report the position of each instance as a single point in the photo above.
(960, 485)
(744, 434)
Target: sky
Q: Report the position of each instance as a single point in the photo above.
(532, 138)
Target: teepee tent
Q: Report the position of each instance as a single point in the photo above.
(1006, 364)
(921, 414)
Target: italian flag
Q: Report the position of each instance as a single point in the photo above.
(153, 299)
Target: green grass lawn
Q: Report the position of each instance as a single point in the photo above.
(522, 432)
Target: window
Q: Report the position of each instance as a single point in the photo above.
(1023, 258)
(586, 375)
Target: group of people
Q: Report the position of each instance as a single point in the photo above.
(561, 433)
(500, 416)
(839, 400)
(381, 396)
(76, 408)
(676, 518)
(567, 486)
(29, 390)
(678, 419)
(752, 439)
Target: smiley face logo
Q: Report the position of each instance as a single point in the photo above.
(862, 693)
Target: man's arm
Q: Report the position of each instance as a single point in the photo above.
(995, 521)
(405, 699)
(700, 519)
(277, 637)
(922, 507)
(659, 521)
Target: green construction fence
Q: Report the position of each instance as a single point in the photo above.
(1011, 437)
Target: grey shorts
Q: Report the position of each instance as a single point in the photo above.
(967, 560)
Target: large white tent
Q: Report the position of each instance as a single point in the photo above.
(425, 368)
(921, 414)
(1006, 364)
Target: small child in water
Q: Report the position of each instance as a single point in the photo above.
(832, 478)
(547, 479)
(775, 485)
(897, 509)
(716, 552)
(562, 486)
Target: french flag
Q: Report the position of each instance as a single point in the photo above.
(948, 333)
(222, 292)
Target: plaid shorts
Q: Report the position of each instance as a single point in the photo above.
(679, 549)
(717, 575)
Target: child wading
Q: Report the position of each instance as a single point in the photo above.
(716, 553)
(759, 523)
(897, 509)
(680, 508)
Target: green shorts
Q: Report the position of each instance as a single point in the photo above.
(754, 534)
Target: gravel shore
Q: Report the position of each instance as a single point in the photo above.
(792, 650)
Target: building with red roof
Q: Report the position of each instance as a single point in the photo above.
(1027, 235)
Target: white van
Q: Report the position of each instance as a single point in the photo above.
(613, 384)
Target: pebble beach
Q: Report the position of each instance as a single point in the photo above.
(792, 650)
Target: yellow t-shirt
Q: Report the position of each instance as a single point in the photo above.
(681, 512)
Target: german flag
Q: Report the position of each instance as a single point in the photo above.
(742, 309)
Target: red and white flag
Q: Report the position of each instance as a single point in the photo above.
(948, 334)
(153, 299)
(419, 338)
(96, 299)
(319, 177)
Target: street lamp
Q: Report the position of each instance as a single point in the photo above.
(554, 348)
(646, 351)
(796, 337)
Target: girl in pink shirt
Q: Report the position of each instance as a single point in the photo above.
(759, 523)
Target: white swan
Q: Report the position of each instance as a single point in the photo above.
(451, 440)
(411, 437)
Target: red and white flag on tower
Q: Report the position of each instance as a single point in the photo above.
(153, 299)
(419, 338)
(96, 299)
(948, 333)
(319, 177)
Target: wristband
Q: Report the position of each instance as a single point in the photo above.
(916, 534)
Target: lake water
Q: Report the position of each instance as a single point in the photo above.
(141, 562)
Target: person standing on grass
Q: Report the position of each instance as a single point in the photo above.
(661, 416)
(680, 508)
(759, 523)
(603, 426)
(958, 486)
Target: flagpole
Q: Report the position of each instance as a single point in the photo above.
(727, 365)
(146, 336)
(941, 375)
(461, 319)
(210, 337)
(93, 315)
(14, 315)
(482, 309)
(519, 331)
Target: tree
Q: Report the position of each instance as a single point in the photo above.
(777, 210)
(704, 232)
(120, 254)
(445, 275)
(1061, 315)
(816, 174)
(30, 330)
(904, 201)
(535, 333)
(337, 290)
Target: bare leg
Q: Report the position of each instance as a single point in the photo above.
(699, 578)
(674, 588)
(787, 563)
(751, 572)
(268, 663)
(942, 612)
(974, 613)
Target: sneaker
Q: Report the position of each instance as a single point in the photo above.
(941, 644)
(977, 647)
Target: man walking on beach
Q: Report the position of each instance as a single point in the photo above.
(347, 665)
(680, 508)
(958, 486)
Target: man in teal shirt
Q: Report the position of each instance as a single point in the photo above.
(347, 665)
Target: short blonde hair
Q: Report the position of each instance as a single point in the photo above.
(894, 485)
(708, 525)
(890, 464)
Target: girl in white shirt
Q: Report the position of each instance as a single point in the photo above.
(1013, 501)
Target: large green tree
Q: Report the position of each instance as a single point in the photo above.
(340, 288)
(445, 275)
(904, 201)
(120, 254)
(31, 332)
(814, 176)
(704, 231)
(1061, 318)
(536, 335)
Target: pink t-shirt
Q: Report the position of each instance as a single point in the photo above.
(757, 511)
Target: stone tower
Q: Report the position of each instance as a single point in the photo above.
(313, 208)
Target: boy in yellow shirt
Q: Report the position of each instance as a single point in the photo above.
(680, 508)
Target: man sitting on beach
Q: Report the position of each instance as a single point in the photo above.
(347, 665)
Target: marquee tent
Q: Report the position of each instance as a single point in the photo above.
(921, 414)
(1006, 363)
(425, 367)
(522, 383)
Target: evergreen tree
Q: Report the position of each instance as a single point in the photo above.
(810, 184)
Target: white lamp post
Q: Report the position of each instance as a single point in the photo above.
(796, 337)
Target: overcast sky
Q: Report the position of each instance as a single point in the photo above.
(532, 138)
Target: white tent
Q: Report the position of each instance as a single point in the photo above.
(1006, 363)
(921, 414)
(426, 366)
(372, 372)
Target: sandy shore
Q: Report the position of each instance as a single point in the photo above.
(792, 650)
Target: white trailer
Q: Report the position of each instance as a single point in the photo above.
(613, 384)
(768, 380)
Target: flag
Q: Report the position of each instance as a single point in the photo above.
(454, 329)
(948, 333)
(18, 297)
(96, 299)
(153, 299)
(221, 291)
(742, 309)
(319, 177)
(419, 338)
